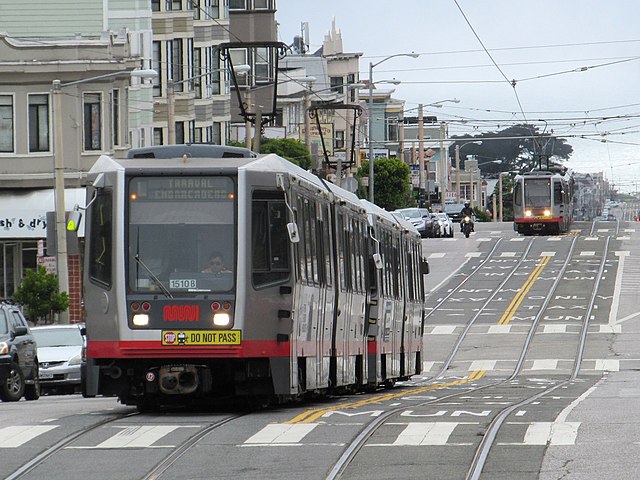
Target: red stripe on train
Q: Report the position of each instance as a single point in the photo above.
(155, 349)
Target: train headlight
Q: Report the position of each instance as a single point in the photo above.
(221, 319)
(141, 319)
(547, 213)
(527, 213)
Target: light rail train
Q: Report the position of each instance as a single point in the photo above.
(543, 202)
(322, 292)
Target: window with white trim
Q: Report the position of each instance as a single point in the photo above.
(6, 124)
(92, 121)
(39, 123)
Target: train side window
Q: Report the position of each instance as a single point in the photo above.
(269, 240)
(557, 193)
(101, 224)
(517, 193)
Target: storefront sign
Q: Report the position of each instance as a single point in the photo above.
(24, 215)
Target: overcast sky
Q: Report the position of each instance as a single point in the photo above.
(544, 45)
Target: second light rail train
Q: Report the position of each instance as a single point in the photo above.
(543, 202)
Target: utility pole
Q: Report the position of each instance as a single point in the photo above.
(61, 227)
(171, 113)
(421, 152)
(500, 196)
(457, 150)
(443, 166)
(257, 131)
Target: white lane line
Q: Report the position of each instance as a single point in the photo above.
(615, 302)
(564, 414)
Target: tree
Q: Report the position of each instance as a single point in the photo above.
(289, 148)
(517, 148)
(392, 183)
(39, 292)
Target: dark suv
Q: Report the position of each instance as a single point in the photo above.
(18, 357)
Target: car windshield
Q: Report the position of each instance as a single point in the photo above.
(409, 213)
(4, 328)
(57, 337)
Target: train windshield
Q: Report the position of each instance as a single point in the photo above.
(181, 234)
(537, 192)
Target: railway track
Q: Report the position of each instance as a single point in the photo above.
(481, 385)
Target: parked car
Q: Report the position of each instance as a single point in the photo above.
(446, 225)
(419, 218)
(18, 356)
(434, 226)
(60, 356)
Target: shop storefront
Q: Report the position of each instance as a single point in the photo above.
(23, 234)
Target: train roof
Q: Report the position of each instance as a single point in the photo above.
(203, 150)
(263, 163)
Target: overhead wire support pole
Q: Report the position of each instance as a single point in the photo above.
(370, 121)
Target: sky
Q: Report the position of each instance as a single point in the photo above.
(576, 66)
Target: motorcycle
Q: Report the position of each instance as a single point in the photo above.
(467, 226)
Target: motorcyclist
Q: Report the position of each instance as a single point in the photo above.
(466, 211)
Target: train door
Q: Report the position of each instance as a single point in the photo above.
(310, 299)
(344, 269)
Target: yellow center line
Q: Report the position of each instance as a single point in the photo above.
(312, 415)
(518, 299)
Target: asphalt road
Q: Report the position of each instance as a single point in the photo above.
(531, 348)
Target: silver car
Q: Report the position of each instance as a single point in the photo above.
(59, 357)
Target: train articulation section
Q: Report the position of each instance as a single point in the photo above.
(224, 276)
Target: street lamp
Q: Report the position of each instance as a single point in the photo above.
(371, 67)
(457, 155)
(62, 265)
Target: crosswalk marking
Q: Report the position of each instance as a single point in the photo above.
(281, 433)
(549, 433)
(500, 328)
(587, 253)
(139, 437)
(482, 365)
(437, 255)
(608, 365)
(544, 365)
(17, 435)
(443, 330)
(508, 254)
(423, 433)
(561, 328)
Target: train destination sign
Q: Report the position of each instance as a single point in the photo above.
(181, 189)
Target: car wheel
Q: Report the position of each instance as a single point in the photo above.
(12, 389)
(32, 391)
